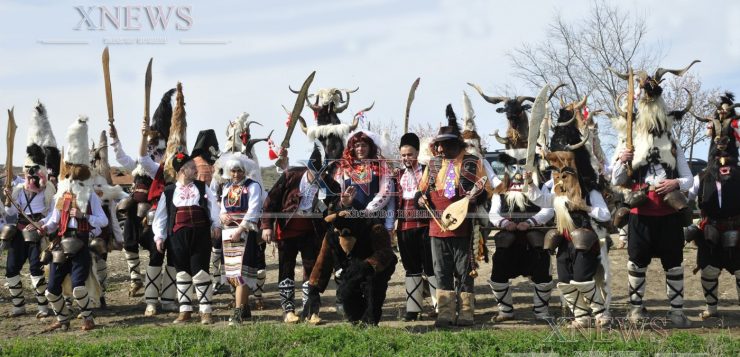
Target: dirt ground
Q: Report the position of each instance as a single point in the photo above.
(125, 311)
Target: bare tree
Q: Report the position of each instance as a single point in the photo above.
(689, 132)
(579, 53)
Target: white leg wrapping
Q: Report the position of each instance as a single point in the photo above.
(304, 293)
(16, 294)
(184, 285)
(432, 281)
(152, 284)
(249, 276)
(83, 301)
(61, 310)
(502, 293)
(674, 287)
(259, 289)
(216, 266)
(591, 296)
(203, 290)
(710, 285)
(100, 267)
(286, 288)
(541, 299)
(169, 289)
(575, 301)
(39, 287)
(132, 260)
(414, 296)
(636, 281)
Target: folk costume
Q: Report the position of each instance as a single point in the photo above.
(655, 221)
(241, 206)
(36, 197)
(299, 199)
(158, 280)
(519, 248)
(77, 211)
(716, 192)
(578, 206)
(447, 180)
(186, 214)
(412, 230)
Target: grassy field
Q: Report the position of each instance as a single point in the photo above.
(276, 339)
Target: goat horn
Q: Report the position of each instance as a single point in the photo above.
(620, 112)
(286, 110)
(623, 76)
(250, 122)
(356, 119)
(581, 104)
(701, 119)
(500, 139)
(341, 108)
(314, 107)
(293, 90)
(567, 122)
(555, 90)
(579, 145)
(521, 99)
(351, 91)
(676, 72)
(492, 100)
(304, 128)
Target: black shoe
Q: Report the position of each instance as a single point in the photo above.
(236, 317)
(410, 316)
(103, 304)
(246, 313)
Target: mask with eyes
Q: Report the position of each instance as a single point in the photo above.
(564, 175)
(35, 177)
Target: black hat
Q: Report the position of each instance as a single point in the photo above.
(206, 146)
(180, 159)
(53, 158)
(410, 139)
(162, 118)
(34, 156)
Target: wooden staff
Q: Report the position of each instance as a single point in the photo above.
(9, 159)
(630, 110)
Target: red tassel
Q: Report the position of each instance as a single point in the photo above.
(585, 113)
(271, 150)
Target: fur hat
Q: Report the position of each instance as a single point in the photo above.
(162, 118)
(230, 160)
(179, 159)
(206, 146)
(78, 151)
(410, 139)
(177, 140)
(34, 156)
(41, 135)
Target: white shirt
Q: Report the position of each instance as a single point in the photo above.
(694, 190)
(37, 205)
(308, 193)
(183, 196)
(96, 219)
(541, 217)
(128, 163)
(114, 225)
(410, 182)
(656, 174)
(543, 198)
(254, 206)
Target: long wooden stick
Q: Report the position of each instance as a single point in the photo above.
(9, 159)
(630, 110)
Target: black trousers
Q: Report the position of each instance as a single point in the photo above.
(288, 250)
(520, 259)
(18, 252)
(575, 264)
(717, 256)
(254, 252)
(416, 251)
(78, 266)
(191, 249)
(655, 236)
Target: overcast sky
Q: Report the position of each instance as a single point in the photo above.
(246, 53)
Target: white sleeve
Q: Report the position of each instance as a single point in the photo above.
(381, 199)
(52, 221)
(694, 190)
(159, 225)
(97, 218)
(543, 216)
(149, 166)
(213, 208)
(494, 215)
(685, 178)
(124, 160)
(599, 210)
(541, 198)
(255, 205)
(114, 224)
(390, 216)
(619, 174)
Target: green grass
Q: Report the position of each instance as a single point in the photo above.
(275, 339)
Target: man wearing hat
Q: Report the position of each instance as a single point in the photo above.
(187, 218)
(448, 178)
(35, 196)
(76, 213)
(300, 191)
(413, 231)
